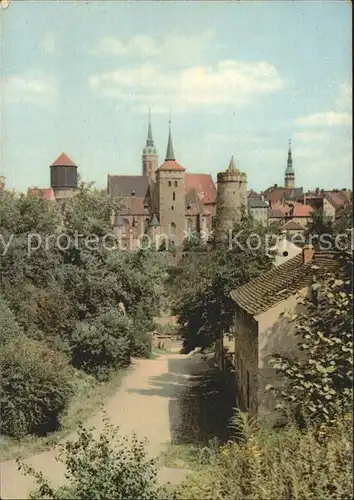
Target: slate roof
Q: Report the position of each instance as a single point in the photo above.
(63, 161)
(257, 203)
(279, 283)
(252, 194)
(125, 185)
(192, 200)
(203, 184)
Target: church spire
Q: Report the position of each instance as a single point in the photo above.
(170, 155)
(290, 160)
(149, 140)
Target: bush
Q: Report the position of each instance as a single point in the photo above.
(102, 468)
(288, 464)
(34, 388)
(9, 328)
(102, 345)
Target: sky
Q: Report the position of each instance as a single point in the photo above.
(237, 78)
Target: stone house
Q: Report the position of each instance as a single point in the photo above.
(292, 228)
(261, 329)
(258, 208)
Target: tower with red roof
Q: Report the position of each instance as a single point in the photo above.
(63, 177)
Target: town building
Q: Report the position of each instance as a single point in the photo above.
(261, 327)
(258, 208)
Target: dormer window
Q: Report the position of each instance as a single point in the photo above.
(133, 192)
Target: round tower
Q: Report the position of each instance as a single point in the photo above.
(231, 197)
(289, 171)
(150, 156)
(63, 177)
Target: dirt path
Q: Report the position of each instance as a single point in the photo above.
(146, 403)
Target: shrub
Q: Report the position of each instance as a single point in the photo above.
(289, 464)
(100, 468)
(9, 328)
(34, 388)
(102, 345)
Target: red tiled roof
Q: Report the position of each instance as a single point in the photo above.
(204, 186)
(45, 193)
(301, 210)
(285, 209)
(337, 198)
(275, 214)
(279, 283)
(63, 161)
(171, 165)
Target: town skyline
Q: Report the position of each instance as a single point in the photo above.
(228, 92)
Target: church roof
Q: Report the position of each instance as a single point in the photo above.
(193, 204)
(63, 160)
(171, 165)
(154, 221)
(203, 184)
(125, 185)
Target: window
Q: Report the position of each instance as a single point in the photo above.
(173, 228)
(189, 225)
(169, 183)
(126, 225)
(172, 208)
(176, 183)
(173, 196)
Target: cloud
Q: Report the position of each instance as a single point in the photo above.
(36, 88)
(327, 119)
(175, 49)
(344, 100)
(311, 136)
(227, 83)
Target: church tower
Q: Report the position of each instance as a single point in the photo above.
(150, 156)
(171, 196)
(289, 171)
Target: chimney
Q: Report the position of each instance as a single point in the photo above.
(307, 253)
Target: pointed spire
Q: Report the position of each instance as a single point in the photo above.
(149, 140)
(231, 167)
(290, 159)
(170, 155)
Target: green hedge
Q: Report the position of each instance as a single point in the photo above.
(34, 388)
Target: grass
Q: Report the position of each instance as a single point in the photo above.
(88, 397)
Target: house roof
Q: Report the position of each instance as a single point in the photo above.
(125, 185)
(276, 194)
(257, 203)
(203, 184)
(291, 225)
(301, 210)
(337, 198)
(276, 213)
(279, 283)
(252, 194)
(45, 193)
(63, 160)
(171, 165)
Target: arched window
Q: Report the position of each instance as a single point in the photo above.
(173, 228)
(126, 225)
(189, 225)
(173, 196)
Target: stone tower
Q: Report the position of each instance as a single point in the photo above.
(231, 196)
(171, 197)
(63, 177)
(289, 171)
(150, 156)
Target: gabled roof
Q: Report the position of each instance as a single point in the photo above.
(279, 283)
(291, 225)
(257, 203)
(276, 194)
(63, 161)
(302, 210)
(252, 194)
(203, 184)
(275, 213)
(125, 185)
(337, 198)
(154, 221)
(192, 200)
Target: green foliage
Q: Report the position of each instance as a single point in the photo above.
(200, 287)
(107, 466)
(287, 464)
(34, 388)
(103, 345)
(9, 328)
(319, 384)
